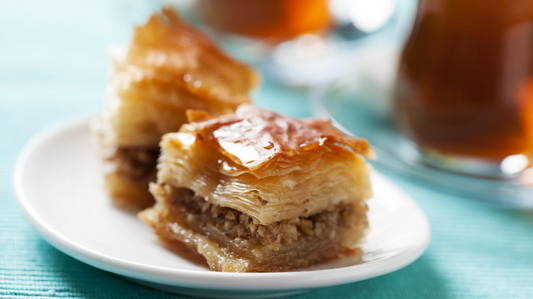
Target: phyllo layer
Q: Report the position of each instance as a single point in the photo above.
(266, 165)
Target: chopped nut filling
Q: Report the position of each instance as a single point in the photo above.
(239, 243)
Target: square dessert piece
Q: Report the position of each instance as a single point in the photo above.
(168, 68)
(258, 191)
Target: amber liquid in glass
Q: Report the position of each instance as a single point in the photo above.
(266, 18)
(464, 79)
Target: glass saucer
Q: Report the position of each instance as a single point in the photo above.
(356, 110)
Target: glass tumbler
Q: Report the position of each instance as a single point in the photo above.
(464, 95)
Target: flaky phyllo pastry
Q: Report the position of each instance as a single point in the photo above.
(169, 67)
(258, 191)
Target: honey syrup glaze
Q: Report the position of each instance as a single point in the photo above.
(252, 136)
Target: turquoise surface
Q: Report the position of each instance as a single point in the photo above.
(53, 66)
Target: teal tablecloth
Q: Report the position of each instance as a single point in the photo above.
(53, 66)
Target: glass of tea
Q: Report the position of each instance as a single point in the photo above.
(266, 18)
(464, 95)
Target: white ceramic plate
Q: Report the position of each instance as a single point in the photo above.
(59, 187)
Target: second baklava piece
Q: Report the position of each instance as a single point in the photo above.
(169, 67)
(258, 191)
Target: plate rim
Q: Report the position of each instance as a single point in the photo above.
(192, 278)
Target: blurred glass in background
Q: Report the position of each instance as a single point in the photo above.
(465, 85)
(279, 19)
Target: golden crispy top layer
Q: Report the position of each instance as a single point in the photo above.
(254, 137)
(166, 49)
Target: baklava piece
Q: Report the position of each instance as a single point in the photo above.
(168, 68)
(256, 191)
